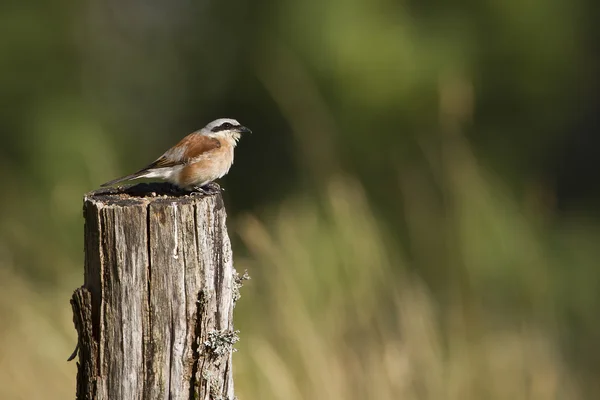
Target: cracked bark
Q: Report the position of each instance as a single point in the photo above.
(159, 284)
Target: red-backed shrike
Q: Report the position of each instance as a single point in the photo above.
(198, 159)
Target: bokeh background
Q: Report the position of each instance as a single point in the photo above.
(418, 205)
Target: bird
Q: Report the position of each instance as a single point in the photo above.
(197, 160)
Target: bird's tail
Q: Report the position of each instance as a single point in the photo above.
(139, 174)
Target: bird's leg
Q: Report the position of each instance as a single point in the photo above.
(199, 189)
(208, 189)
(213, 187)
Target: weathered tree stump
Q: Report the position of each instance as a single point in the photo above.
(155, 313)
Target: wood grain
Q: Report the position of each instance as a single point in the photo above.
(155, 313)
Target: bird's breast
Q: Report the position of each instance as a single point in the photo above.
(206, 168)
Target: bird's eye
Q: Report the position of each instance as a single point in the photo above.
(226, 125)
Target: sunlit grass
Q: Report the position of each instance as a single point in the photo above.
(333, 314)
(36, 337)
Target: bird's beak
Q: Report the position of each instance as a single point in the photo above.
(243, 129)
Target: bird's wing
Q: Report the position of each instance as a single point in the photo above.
(189, 148)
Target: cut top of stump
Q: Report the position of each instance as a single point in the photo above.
(146, 193)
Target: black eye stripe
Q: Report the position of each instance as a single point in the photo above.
(222, 127)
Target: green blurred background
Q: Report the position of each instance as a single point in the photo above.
(418, 205)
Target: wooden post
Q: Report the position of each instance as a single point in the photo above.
(155, 313)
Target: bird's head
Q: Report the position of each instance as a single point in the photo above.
(225, 128)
